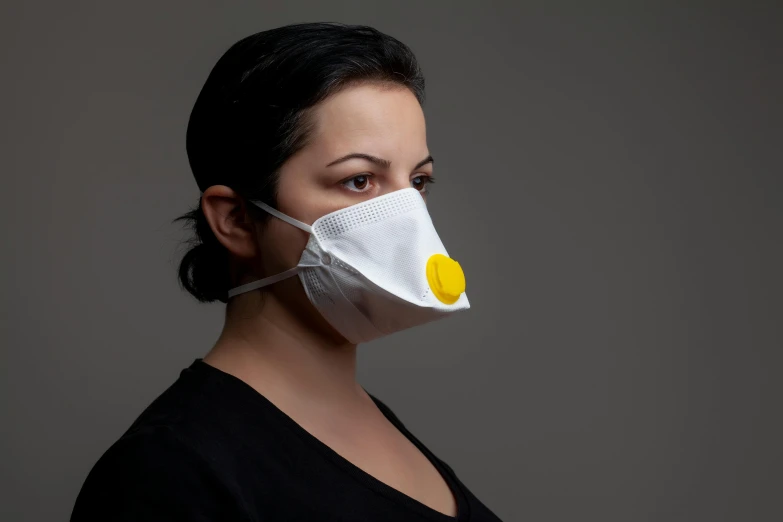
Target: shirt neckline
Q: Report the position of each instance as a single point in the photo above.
(369, 481)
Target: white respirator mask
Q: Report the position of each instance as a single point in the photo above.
(375, 268)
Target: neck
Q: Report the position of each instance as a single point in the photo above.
(267, 345)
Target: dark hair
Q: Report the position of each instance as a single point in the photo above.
(252, 115)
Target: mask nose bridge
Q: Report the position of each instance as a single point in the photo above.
(310, 229)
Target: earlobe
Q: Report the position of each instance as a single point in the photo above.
(227, 216)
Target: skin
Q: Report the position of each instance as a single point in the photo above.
(274, 339)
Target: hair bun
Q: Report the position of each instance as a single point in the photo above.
(204, 270)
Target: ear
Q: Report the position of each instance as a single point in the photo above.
(229, 220)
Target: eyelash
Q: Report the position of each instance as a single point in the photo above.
(428, 179)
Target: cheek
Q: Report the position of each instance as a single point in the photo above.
(281, 246)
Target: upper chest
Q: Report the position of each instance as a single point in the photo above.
(380, 450)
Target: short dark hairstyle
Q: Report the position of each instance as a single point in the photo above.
(252, 115)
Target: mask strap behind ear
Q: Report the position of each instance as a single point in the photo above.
(279, 215)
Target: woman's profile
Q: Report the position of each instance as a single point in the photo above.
(308, 144)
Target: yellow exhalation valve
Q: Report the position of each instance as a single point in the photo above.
(446, 278)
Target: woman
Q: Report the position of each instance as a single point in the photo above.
(308, 144)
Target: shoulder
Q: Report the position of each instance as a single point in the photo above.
(146, 446)
(151, 474)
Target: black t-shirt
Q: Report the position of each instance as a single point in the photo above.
(211, 448)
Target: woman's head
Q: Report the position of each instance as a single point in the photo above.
(274, 122)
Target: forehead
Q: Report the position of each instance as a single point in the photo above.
(367, 114)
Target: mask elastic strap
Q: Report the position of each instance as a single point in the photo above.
(263, 282)
(282, 275)
(279, 215)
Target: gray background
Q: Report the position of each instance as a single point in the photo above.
(609, 178)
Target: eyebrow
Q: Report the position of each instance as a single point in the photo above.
(378, 161)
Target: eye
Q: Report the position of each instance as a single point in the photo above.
(358, 183)
(421, 183)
